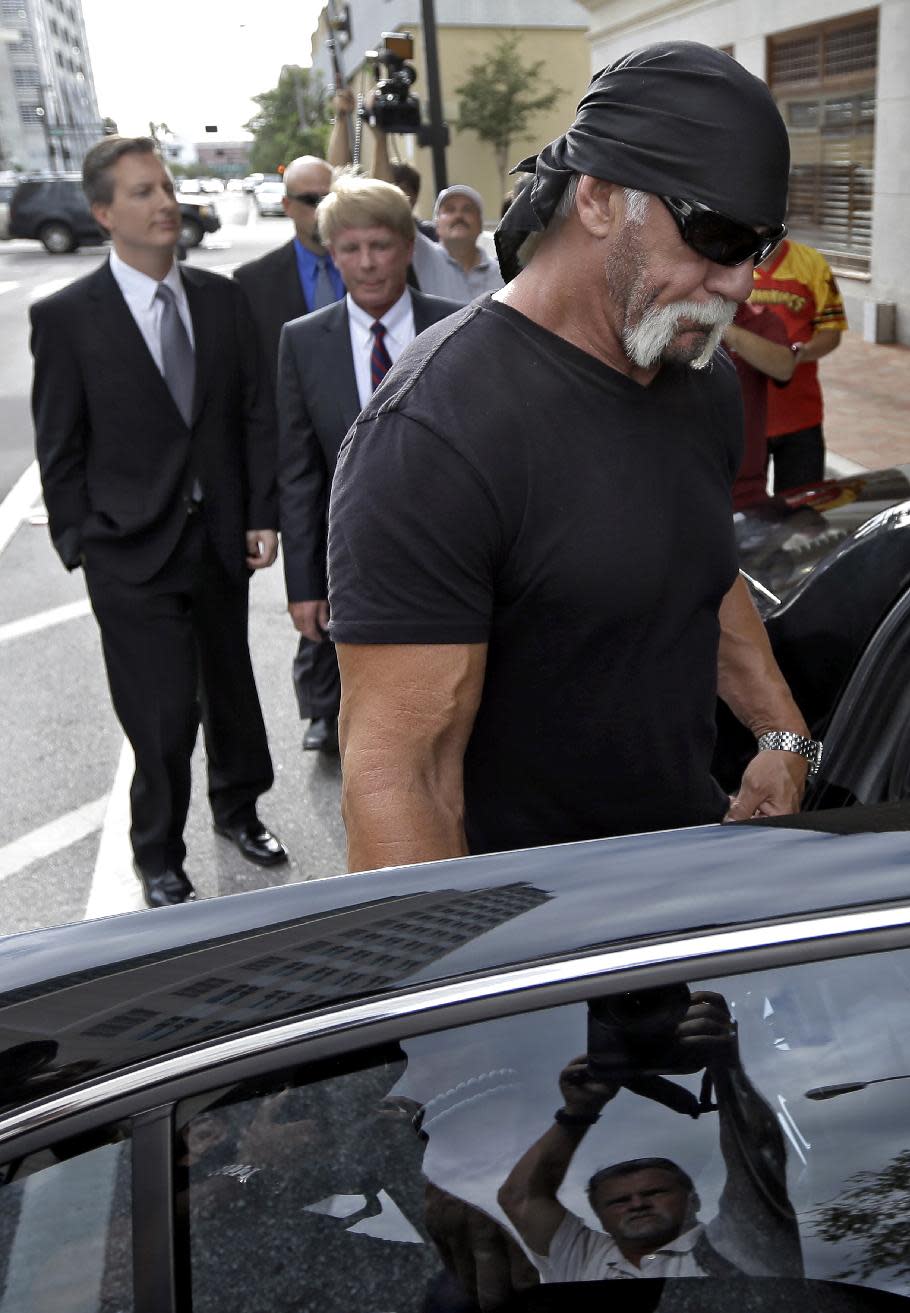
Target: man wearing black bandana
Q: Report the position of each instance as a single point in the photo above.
(533, 576)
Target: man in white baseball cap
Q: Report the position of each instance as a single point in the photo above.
(457, 266)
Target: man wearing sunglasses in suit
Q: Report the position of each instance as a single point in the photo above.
(533, 574)
(296, 279)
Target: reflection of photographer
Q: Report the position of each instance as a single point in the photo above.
(648, 1207)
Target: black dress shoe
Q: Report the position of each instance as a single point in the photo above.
(255, 842)
(321, 735)
(166, 888)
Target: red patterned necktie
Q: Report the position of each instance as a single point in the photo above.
(380, 361)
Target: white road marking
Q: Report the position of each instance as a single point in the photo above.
(33, 624)
(115, 887)
(48, 289)
(18, 502)
(7, 287)
(51, 838)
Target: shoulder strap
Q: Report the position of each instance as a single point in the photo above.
(711, 1262)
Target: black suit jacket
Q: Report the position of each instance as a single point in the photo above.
(117, 461)
(272, 287)
(317, 404)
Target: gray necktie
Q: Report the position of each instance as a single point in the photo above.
(177, 355)
(325, 293)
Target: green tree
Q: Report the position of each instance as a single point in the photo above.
(500, 98)
(871, 1214)
(292, 120)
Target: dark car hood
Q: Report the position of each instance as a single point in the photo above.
(79, 1001)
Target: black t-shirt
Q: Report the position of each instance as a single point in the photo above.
(505, 487)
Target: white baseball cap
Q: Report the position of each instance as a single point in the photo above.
(459, 189)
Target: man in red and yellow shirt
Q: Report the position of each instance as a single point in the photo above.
(798, 285)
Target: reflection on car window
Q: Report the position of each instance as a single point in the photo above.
(65, 1233)
(748, 1129)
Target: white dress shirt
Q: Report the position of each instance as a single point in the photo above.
(399, 333)
(139, 293)
(577, 1253)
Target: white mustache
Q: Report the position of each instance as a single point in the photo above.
(647, 341)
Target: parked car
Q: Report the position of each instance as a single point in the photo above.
(189, 186)
(830, 570)
(252, 181)
(6, 194)
(269, 197)
(309, 1098)
(55, 212)
(214, 186)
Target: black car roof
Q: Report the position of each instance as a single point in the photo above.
(104, 994)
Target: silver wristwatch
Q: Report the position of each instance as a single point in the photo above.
(784, 740)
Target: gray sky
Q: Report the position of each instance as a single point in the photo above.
(192, 62)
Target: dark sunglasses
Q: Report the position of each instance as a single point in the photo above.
(307, 197)
(717, 238)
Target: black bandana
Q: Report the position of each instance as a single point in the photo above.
(674, 119)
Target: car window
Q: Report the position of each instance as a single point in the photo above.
(65, 1232)
(753, 1129)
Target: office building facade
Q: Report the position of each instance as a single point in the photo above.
(47, 93)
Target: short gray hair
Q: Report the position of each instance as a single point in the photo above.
(637, 202)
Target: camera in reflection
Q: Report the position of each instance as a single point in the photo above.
(635, 1033)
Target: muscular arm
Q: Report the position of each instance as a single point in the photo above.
(406, 717)
(750, 682)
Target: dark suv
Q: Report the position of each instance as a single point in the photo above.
(55, 212)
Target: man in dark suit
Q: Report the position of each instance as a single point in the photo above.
(284, 284)
(155, 439)
(299, 276)
(329, 363)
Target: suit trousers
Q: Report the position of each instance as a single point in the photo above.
(176, 653)
(317, 682)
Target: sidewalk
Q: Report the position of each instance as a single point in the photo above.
(867, 403)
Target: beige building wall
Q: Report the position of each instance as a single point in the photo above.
(567, 66)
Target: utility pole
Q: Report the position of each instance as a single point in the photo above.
(438, 133)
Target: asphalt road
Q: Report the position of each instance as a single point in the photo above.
(64, 771)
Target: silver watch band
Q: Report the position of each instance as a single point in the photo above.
(785, 740)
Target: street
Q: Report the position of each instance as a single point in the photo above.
(65, 769)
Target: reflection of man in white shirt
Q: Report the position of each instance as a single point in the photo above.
(648, 1207)
(456, 266)
(648, 1210)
